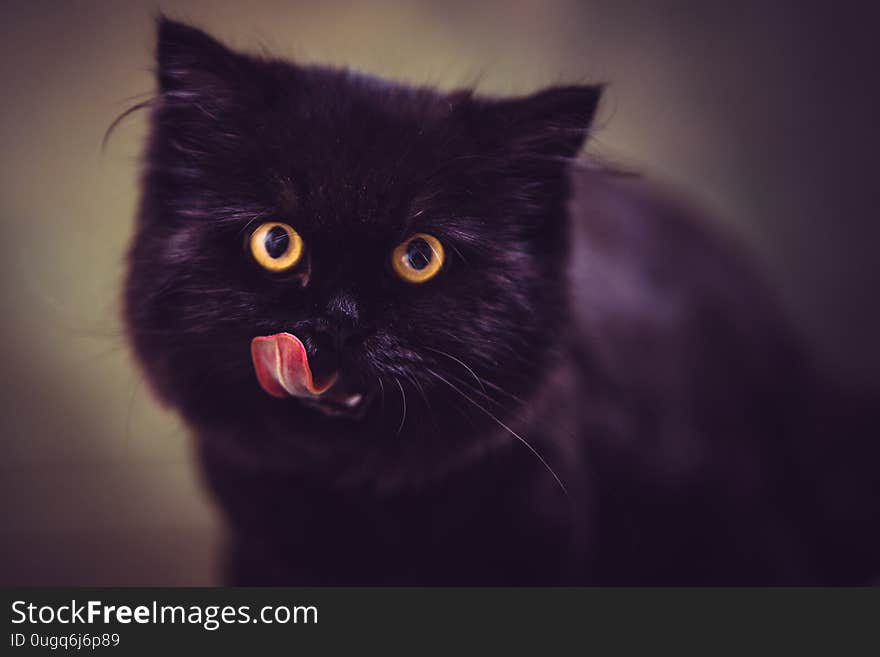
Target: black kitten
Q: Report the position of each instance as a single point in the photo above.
(418, 343)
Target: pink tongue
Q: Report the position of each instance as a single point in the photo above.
(282, 367)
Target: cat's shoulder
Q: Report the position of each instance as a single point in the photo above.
(645, 261)
(627, 227)
(616, 209)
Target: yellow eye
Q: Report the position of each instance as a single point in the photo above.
(418, 258)
(276, 247)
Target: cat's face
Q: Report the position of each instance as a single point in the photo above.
(303, 227)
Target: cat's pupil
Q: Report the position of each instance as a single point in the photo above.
(419, 253)
(277, 242)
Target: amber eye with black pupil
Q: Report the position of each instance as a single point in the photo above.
(419, 254)
(277, 242)
(276, 247)
(418, 258)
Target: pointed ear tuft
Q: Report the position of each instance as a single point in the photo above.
(554, 121)
(189, 59)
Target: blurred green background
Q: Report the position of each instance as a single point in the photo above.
(764, 113)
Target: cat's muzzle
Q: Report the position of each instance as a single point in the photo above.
(282, 368)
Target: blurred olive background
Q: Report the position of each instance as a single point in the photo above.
(763, 113)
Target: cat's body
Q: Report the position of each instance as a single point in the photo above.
(595, 389)
(670, 410)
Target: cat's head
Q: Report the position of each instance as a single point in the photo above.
(367, 234)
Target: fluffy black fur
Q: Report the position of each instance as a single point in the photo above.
(593, 390)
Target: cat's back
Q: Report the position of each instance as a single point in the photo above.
(637, 247)
(661, 294)
(700, 394)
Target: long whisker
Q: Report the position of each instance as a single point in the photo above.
(131, 110)
(503, 391)
(382, 390)
(488, 397)
(460, 362)
(482, 381)
(418, 385)
(471, 389)
(509, 430)
(403, 398)
(421, 390)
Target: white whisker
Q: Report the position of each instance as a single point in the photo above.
(508, 429)
(403, 399)
(382, 390)
(460, 362)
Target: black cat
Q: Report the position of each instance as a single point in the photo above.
(419, 342)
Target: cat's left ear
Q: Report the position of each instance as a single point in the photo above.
(552, 122)
(192, 62)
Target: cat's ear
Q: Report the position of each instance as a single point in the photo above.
(552, 122)
(190, 61)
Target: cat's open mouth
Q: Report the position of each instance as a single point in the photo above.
(282, 368)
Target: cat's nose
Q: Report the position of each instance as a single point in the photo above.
(343, 311)
(342, 317)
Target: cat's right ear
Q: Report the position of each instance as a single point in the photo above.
(552, 122)
(191, 62)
